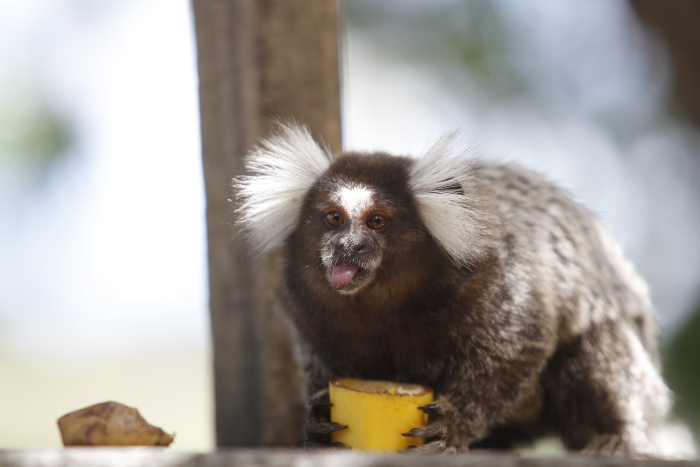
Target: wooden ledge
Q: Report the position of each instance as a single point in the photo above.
(162, 457)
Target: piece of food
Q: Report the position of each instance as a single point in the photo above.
(377, 413)
(110, 424)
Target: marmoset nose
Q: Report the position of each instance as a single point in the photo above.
(352, 248)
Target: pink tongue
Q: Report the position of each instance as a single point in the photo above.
(342, 274)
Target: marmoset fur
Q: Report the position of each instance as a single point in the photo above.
(485, 282)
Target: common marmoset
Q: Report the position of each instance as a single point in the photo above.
(483, 281)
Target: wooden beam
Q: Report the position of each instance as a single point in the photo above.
(258, 61)
(125, 456)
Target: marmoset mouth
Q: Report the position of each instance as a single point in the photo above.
(342, 274)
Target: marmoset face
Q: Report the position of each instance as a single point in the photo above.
(360, 218)
(356, 224)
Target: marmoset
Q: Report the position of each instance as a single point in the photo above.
(483, 281)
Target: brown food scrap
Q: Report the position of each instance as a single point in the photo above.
(110, 424)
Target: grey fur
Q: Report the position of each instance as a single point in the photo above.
(545, 329)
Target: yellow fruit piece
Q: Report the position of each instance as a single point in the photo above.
(377, 413)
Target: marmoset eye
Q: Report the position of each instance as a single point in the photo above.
(334, 218)
(377, 222)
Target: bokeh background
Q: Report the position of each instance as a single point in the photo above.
(103, 287)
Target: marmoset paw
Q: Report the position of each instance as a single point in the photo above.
(318, 428)
(435, 433)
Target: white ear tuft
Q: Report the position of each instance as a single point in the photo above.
(285, 166)
(445, 190)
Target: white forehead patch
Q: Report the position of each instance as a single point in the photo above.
(354, 199)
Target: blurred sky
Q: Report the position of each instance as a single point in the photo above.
(574, 90)
(102, 254)
(103, 288)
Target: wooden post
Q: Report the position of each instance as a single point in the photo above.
(676, 22)
(259, 60)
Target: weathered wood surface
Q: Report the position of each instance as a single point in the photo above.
(155, 457)
(259, 60)
(676, 22)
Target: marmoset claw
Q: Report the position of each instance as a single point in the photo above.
(434, 447)
(435, 408)
(432, 430)
(324, 428)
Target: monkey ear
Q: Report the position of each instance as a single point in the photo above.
(284, 167)
(444, 185)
